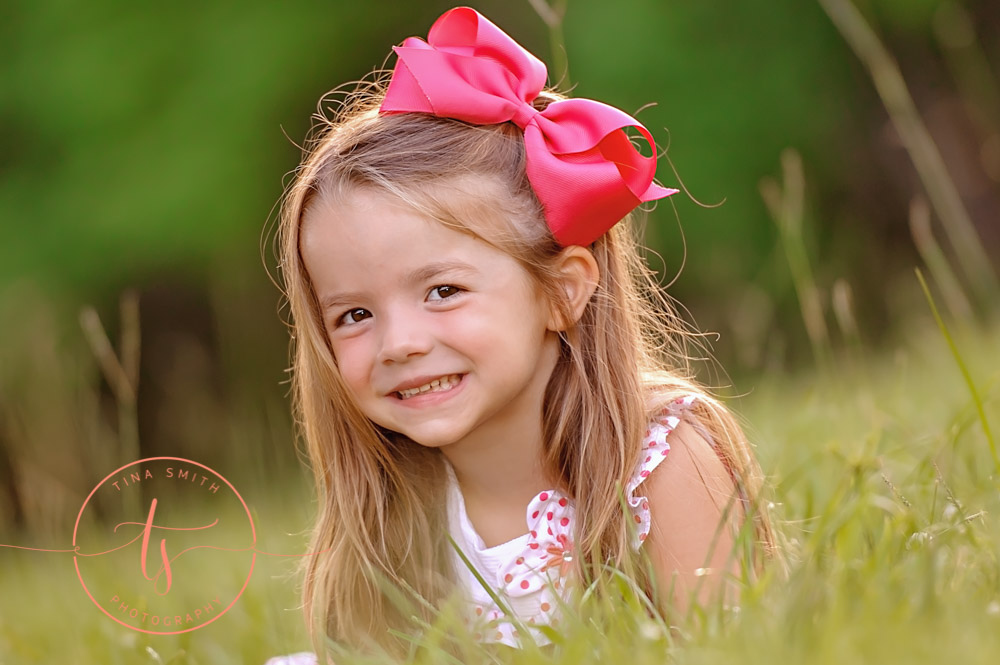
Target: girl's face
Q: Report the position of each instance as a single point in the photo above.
(438, 335)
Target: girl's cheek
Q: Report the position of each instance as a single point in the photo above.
(478, 328)
(354, 380)
(352, 359)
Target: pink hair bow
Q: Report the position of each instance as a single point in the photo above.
(581, 164)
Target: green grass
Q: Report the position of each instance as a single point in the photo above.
(885, 494)
(45, 617)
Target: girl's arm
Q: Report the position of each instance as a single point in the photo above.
(691, 550)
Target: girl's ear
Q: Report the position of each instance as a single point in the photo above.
(579, 275)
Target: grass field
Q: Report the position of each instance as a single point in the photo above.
(885, 493)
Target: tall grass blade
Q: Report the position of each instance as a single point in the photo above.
(964, 369)
(494, 596)
(552, 15)
(787, 207)
(930, 252)
(923, 151)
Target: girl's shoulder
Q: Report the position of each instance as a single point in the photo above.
(669, 414)
(692, 509)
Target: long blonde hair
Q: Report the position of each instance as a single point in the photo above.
(382, 521)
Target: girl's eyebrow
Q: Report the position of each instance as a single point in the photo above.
(415, 276)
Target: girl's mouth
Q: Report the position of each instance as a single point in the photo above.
(443, 384)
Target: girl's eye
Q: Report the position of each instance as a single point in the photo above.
(359, 314)
(353, 316)
(444, 291)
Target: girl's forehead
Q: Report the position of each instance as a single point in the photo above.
(474, 207)
(369, 233)
(367, 216)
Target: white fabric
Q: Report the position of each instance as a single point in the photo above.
(526, 573)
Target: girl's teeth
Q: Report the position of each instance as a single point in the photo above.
(437, 385)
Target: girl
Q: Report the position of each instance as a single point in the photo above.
(486, 374)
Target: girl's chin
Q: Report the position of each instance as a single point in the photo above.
(435, 440)
(425, 437)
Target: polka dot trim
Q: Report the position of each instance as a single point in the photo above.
(534, 578)
(655, 449)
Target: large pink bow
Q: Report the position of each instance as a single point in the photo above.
(581, 164)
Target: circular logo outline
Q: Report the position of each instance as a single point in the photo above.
(253, 533)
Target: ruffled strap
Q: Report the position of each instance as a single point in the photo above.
(654, 451)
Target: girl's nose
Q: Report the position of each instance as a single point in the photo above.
(403, 337)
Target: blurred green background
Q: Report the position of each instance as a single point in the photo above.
(143, 148)
(144, 144)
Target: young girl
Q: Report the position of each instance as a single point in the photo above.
(486, 374)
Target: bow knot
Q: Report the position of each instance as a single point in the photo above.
(524, 114)
(581, 165)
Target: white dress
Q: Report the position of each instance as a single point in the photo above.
(526, 573)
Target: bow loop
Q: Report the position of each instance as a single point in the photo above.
(465, 31)
(581, 164)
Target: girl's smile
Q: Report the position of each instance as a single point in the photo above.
(438, 335)
(445, 384)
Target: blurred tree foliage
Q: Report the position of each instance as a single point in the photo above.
(146, 143)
